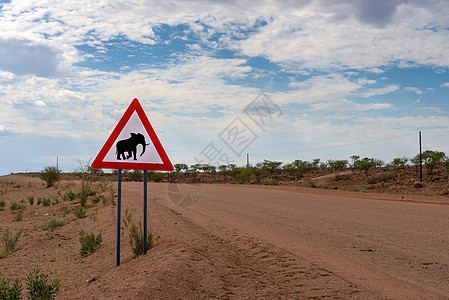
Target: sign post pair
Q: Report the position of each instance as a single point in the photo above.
(133, 145)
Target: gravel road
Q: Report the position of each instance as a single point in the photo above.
(388, 245)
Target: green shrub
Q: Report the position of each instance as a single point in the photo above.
(394, 187)
(311, 184)
(2, 205)
(69, 196)
(157, 176)
(98, 199)
(381, 177)
(356, 188)
(86, 193)
(89, 242)
(80, 211)
(136, 175)
(39, 288)
(15, 206)
(94, 216)
(44, 201)
(56, 201)
(136, 239)
(9, 242)
(83, 196)
(269, 181)
(53, 224)
(10, 292)
(31, 199)
(18, 214)
(50, 175)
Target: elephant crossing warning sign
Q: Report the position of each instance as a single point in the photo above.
(133, 145)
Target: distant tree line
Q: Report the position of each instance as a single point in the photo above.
(262, 172)
(268, 169)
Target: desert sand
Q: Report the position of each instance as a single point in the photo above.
(238, 242)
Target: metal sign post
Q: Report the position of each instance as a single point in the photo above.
(119, 210)
(133, 145)
(144, 212)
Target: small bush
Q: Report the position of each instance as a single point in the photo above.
(394, 187)
(269, 181)
(381, 177)
(30, 200)
(9, 242)
(56, 201)
(67, 210)
(44, 201)
(356, 188)
(38, 286)
(87, 193)
(2, 205)
(89, 242)
(136, 239)
(105, 201)
(53, 224)
(83, 196)
(98, 199)
(18, 214)
(10, 292)
(69, 196)
(50, 175)
(80, 211)
(94, 216)
(157, 177)
(311, 184)
(15, 206)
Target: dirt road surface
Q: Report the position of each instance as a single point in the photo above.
(389, 246)
(237, 242)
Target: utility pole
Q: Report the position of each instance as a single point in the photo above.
(247, 160)
(420, 158)
(57, 162)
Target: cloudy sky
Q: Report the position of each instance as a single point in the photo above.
(339, 78)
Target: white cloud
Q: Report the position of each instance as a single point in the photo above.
(310, 39)
(347, 106)
(445, 85)
(416, 90)
(380, 91)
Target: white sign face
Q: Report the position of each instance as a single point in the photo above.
(133, 145)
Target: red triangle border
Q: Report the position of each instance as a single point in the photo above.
(133, 107)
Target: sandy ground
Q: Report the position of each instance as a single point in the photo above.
(242, 242)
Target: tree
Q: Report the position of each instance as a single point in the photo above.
(365, 164)
(270, 166)
(355, 159)
(180, 167)
(337, 165)
(415, 161)
(432, 159)
(50, 175)
(400, 162)
(224, 169)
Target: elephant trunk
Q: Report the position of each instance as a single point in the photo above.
(144, 147)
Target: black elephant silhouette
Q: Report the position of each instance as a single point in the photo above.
(129, 146)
